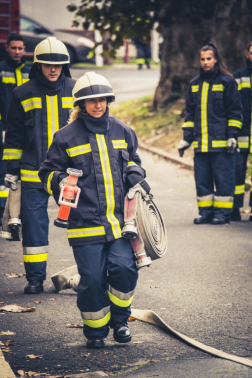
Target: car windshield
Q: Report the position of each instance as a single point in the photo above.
(27, 25)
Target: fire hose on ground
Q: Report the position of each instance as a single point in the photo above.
(144, 226)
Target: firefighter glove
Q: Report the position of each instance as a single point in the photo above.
(231, 145)
(182, 146)
(63, 182)
(135, 178)
(10, 181)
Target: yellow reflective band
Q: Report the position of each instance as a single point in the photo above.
(8, 80)
(108, 186)
(32, 103)
(244, 85)
(204, 127)
(188, 124)
(79, 150)
(119, 144)
(239, 189)
(52, 117)
(131, 164)
(12, 153)
(35, 258)
(218, 87)
(120, 302)
(19, 75)
(219, 143)
(195, 144)
(205, 203)
(67, 102)
(225, 205)
(98, 323)
(31, 176)
(85, 232)
(48, 186)
(4, 193)
(243, 144)
(195, 88)
(234, 123)
(140, 61)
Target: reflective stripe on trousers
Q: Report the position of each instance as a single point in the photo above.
(240, 176)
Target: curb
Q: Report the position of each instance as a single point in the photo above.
(5, 369)
(176, 160)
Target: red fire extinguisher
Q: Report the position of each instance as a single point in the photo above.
(68, 193)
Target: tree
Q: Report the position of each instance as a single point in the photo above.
(186, 26)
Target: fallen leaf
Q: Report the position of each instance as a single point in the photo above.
(21, 372)
(2, 254)
(247, 211)
(14, 275)
(9, 342)
(138, 342)
(72, 325)
(131, 319)
(32, 356)
(7, 333)
(106, 352)
(154, 287)
(16, 308)
(51, 299)
(5, 349)
(37, 302)
(1, 343)
(83, 354)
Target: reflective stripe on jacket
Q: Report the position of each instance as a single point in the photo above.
(213, 113)
(243, 79)
(32, 120)
(106, 160)
(10, 78)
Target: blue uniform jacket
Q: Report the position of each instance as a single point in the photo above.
(105, 159)
(32, 120)
(11, 76)
(243, 79)
(213, 111)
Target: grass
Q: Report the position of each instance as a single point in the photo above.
(160, 128)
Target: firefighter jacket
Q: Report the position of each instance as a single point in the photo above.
(243, 79)
(106, 153)
(213, 111)
(37, 109)
(12, 75)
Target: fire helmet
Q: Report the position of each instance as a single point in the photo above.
(92, 85)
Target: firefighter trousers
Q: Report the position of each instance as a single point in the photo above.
(3, 190)
(240, 177)
(108, 277)
(215, 183)
(35, 225)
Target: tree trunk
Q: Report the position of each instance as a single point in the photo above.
(186, 26)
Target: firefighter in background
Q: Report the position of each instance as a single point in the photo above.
(104, 148)
(13, 73)
(243, 79)
(37, 109)
(143, 52)
(213, 120)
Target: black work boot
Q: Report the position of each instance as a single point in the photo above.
(95, 343)
(203, 219)
(236, 215)
(34, 287)
(121, 333)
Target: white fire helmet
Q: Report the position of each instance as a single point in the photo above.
(92, 85)
(51, 51)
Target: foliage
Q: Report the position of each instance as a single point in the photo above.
(122, 19)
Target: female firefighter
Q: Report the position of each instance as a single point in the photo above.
(104, 148)
(213, 120)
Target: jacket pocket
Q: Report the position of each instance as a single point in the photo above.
(125, 160)
(83, 162)
(218, 105)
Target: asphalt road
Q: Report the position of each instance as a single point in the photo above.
(202, 288)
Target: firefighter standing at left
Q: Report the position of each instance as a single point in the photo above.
(13, 73)
(37, 110)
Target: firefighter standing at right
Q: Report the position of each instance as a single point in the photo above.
(243, 79)
(213, 120)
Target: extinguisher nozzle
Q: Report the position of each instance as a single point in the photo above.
(61, 223)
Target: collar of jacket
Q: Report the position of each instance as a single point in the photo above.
(209, 76)
(96, 125)
(248, 64)
(13, 63)
(49, 87)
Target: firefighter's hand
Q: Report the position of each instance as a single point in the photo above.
(182, 146)
(10, 181)
(231, 145)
